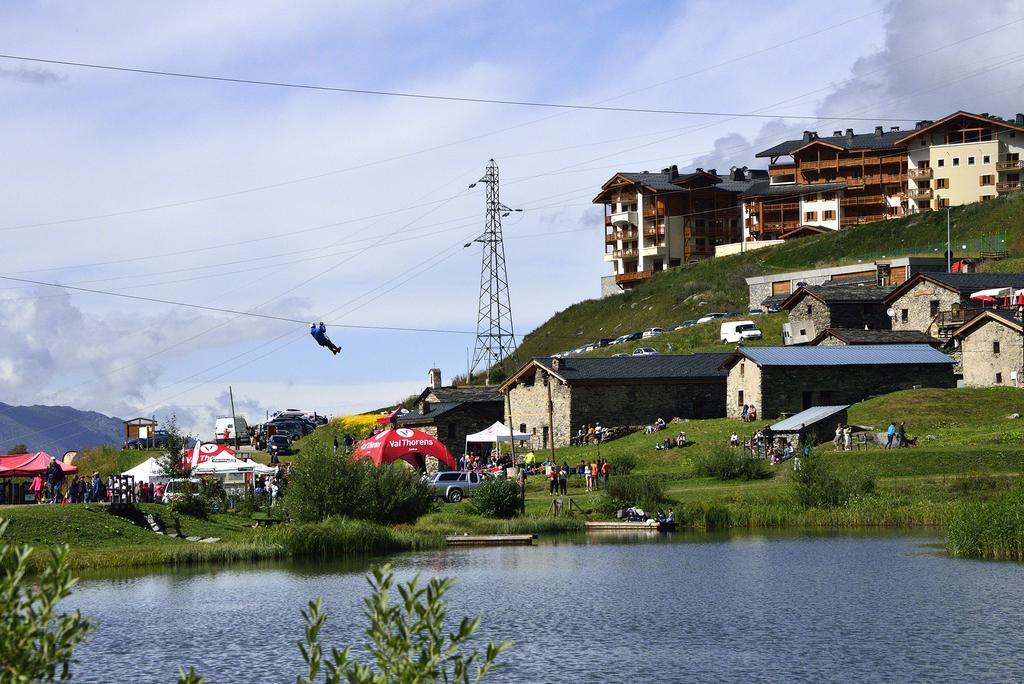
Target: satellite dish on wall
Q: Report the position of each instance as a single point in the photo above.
(891, 312)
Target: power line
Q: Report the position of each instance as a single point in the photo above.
(430, 96)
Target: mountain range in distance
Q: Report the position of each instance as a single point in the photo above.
(56, 429)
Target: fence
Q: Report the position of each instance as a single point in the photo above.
(972, 247)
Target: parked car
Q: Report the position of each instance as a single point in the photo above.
(756, 312)
(173, 489)
(620, 354)
(586, 348)
(645, 351)
(603, 342)
(157, 441)
(652, 332)
(734, 331)
(708, 317)
(773, 308)
(455, 485)
(226, 428)
(628, 337)
(685, 324)
(279, 444)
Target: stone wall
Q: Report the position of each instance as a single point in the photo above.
(917, 304)
(452, 428)
(808, 318)
(609, 288)
(529, 405)
(821, 316)
(758, 293)
(744, 377)
(791, 389)
(980, 362)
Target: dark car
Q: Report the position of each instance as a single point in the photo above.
(157, 441)
(279, 444)
(628, 337)
(603, 342)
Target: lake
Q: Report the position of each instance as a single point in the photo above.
(672, 608)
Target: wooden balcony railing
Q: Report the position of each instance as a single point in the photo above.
(1009, 164)
(920, 193)
(920, 173)
(625, 253)
(632, 277)
(1010, 186)
(627, 234)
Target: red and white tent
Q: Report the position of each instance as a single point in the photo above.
(28, 465)
(202, 453)
(404, 444)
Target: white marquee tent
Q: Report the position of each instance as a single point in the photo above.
(229, 464)
(147, 471)
(496, 433)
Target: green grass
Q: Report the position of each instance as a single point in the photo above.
(684, 293)
(989, 529)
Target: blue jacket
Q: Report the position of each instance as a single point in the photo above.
(891, 430)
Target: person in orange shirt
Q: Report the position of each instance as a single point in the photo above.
(605, 469)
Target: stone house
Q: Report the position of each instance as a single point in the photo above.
(939, 303)
(992, 349)
(837, 337)
(551, 398)
(778, 380)
(815, 308)
(451, 413)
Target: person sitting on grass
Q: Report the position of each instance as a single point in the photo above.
(734, 439)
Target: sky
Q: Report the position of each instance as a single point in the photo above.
(354, 209)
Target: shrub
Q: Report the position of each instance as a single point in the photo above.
(623, 464)
(646, 491)
(322, 485)
(199, 499)
(726, 463)
(989, 529)
(817, 486)
(497, 498)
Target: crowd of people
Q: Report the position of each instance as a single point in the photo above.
(679, 441)
(749, 413)
(589, 434)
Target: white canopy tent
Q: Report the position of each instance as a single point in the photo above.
(230, 464)
(496, 433)
(148, 471)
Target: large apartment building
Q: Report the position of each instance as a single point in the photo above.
(836, 181)
(654, 221)
(963, 158)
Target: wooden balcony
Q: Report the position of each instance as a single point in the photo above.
(920, 194)
(634, 277)
(948, 321)
(1010, 186)
(625, 253)
(609, 238)
(654, 231)
(627, 234)
(920, 173)
(1009, 164)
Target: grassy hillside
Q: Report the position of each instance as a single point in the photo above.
(718, 284)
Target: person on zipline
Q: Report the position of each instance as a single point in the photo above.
(319, 334)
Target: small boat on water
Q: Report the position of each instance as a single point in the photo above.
(649, 525)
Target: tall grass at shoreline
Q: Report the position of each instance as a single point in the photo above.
(992, 529)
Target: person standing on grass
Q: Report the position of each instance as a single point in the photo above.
(552, 480)
(588, 477)
(890, 434)
(847, 437)
(605, 470)
(901, 435)
(838, 441)
(36, 487)
(563, 480)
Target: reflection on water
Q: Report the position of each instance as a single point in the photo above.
(610, 608)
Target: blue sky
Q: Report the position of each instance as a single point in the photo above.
(80, 143)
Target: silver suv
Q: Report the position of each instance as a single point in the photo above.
(454, 485)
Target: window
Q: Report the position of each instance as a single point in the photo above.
(522, 427)
(942, 183)
(828, 215)
(742, 369)
(739, 398)
(956, 161)
(986, 159)
(944, 202)
(808, 309)
(986, 198)
(942, 162)
(803, 333)
(999, 378)
(970, 161)
(451, 430)
(933, 308)
(987, 179)
(995, 346)
(903, 315)
(810, 216)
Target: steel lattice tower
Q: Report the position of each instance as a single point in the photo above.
(495, 337)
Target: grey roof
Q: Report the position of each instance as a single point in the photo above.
(966, 283)
(850, 355)
(774, 299)
(762, 187)
(805, 418)
(1008, 316)
(705, 365)
(858, 141)
(861, 336)
(847, 294)
(436, 409)
(468, 393)
(658, 181)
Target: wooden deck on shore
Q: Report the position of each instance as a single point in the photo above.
(490, 539)
(623, 525)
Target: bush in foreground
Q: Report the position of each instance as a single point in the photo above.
(497, 498)
(817, 486)
(646, 491)
(990, 529)
(728, 463)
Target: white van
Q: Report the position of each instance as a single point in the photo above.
(224, 432)
(734, 331)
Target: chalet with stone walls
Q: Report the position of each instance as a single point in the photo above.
(991, 347)
(939, 303)
(551, 398)
(451, 413)
(838, 337)
(787, 380)
(815, 308)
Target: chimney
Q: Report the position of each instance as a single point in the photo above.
(807, 136)
(673, 171)
(985, 114)
(894, 129)
(434, 377)
(713, 172)
(1019, 119)
(700, 170)
(556, 363)
(849, 133)
(836, 134)
(879, 130)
